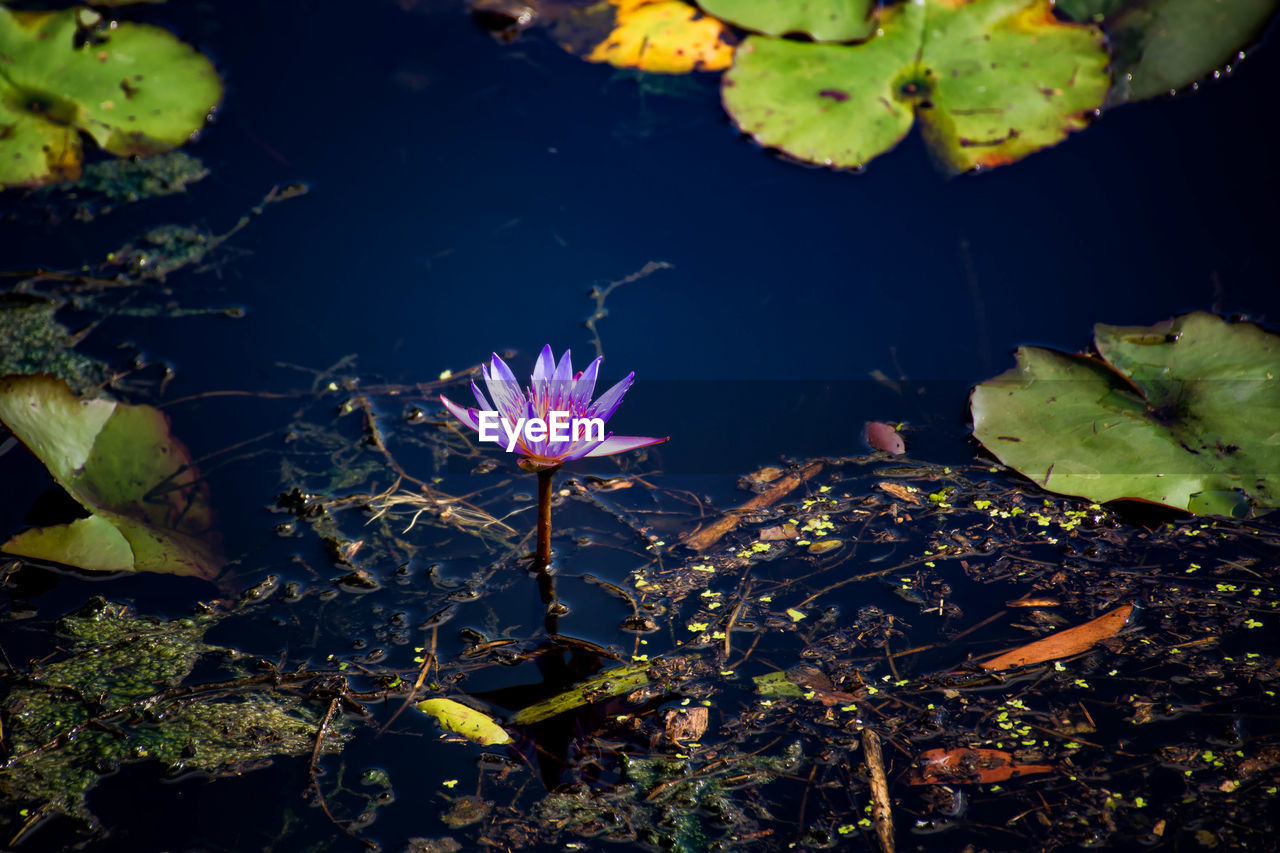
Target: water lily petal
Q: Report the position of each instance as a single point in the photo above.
(561, 389)
(485, 405)
(564, 370)
(505, 390)
(545, 365)
(467, 416)
(623, 443)
(611, 399)
(584, 385)
(583, 449)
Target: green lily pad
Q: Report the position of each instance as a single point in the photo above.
(134, 88)
(821, 20)
(993, 81)
(149, 508)
(1160, 46)
(1185, 413)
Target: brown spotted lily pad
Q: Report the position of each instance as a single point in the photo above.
(990, 81)
(133, 88)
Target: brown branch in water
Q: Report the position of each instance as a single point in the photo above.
(428, 659)
(804, 800)
(315, 779)
(733, 619)
(385, 390)
(703, 539)
(881, 809)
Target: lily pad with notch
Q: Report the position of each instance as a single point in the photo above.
(134, 88)
(990, 82)
(1185, 413)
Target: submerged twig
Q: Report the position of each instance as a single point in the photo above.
(428, 659)
(706, 537)
(315, 779)
(881, 810)
(600, 294)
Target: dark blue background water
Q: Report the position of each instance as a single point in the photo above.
(465, 195)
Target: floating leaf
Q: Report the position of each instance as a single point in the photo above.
(884, 437)
(1163, 45)
(961, 765)
(664, 36)
(91, 543)
(149, 509)
(1185, 413)
(1159, 46)
(1063, 644)
(468, 722)
(821, 20)
(134, 88)
(994, 81)
(776, 685)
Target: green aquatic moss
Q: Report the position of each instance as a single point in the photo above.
(33, 341)
(135, 666)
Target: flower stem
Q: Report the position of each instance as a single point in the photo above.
(543, 559)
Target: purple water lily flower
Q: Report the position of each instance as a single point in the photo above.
(554, 420)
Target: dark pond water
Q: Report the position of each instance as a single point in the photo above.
(464, 198)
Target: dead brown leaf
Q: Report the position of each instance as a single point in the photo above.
(782, 531)
(882, 436)
(899, 491)
(958, 766)
(685, 724)
(1072, 641)
(1033, 601)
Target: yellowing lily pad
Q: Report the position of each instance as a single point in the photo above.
(662, 36)
(1185, 413)
(990, 81)
(134, 88)
(149, 508)
(466, 721)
